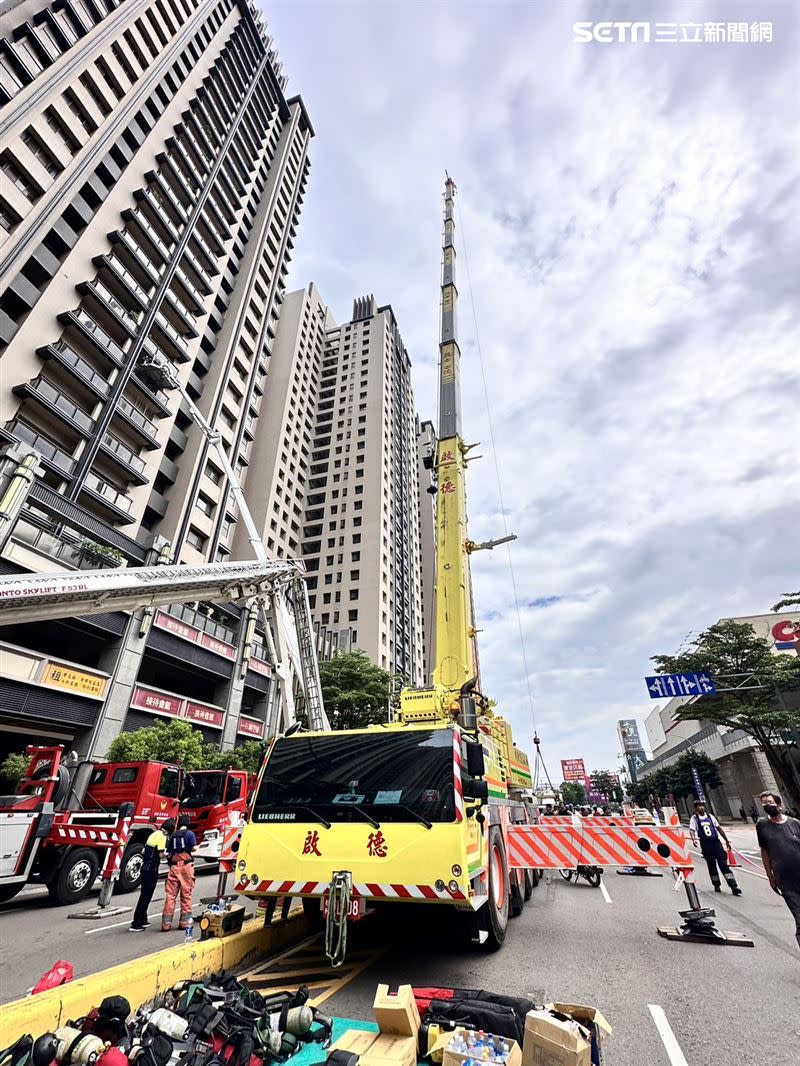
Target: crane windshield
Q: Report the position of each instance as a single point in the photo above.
(202, 789)
(397, 777)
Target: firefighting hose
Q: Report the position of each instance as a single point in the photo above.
(336, 922)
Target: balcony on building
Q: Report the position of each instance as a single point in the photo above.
(160, 205)
(53, 457)
(113, 312)
(138, 421)
(176, 311)
(195, 298)
(125, 240)
(171, 343)
(164, 187)
(205, 249)
(122, 280)
(54, 400)
(79, 368)
(206, 619)
(179, 185)
(139, 221)
(114, 502)
(130, 463)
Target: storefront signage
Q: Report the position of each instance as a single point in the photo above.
(258, 666)
(573, 770)
(251, 727)
(194, 635)
(199, 712)
(154, 701)
(84, 684)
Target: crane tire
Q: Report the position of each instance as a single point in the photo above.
(530, 883)
(516, 901)
(495, 912)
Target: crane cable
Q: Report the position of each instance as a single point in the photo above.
(497, 471)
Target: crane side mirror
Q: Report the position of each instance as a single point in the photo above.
(478, 790)
(476, 761)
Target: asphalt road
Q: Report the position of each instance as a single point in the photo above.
(725, 1006)
(34, 934)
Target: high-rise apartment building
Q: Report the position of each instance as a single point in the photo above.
(342, 475)
(152, 176)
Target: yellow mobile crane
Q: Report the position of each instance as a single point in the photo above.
(418, 809)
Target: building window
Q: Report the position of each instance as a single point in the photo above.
(205, 505)
(196, 538)
(353, 594)
(352, 616)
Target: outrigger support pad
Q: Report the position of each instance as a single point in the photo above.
(699, 926)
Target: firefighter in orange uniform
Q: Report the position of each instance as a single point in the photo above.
(180, 879)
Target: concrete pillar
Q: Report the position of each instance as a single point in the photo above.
(122, 661)
(19, 469)
(233, 690)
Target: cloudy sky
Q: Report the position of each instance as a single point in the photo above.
(630, 215)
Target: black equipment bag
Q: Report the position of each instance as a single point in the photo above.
(476, 1009)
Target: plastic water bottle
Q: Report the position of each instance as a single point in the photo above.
(189, 931)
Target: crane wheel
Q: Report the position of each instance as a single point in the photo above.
(517, 899)
(494, 913)
(530, 883)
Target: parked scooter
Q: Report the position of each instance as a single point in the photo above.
(592, 874)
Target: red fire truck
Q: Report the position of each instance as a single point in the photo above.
(54, 836)
(214, 800)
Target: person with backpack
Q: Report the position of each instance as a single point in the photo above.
(180, 879)
(154, 848)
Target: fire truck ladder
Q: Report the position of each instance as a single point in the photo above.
(315, 710)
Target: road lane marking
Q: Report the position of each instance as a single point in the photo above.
(115, 925)
(604, 890)
(673, 1048)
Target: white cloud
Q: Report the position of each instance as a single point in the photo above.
(631, 218)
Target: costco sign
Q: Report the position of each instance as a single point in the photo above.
(786, 635)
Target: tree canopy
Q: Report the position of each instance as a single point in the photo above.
(770, 714)
(355, 691)
(174, 741)
(604, 782)
(677, 780)
(573, 792)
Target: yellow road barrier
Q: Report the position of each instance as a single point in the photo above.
(143, 980)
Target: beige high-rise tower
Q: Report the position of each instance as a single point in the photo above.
(152, 176)
(342, 479)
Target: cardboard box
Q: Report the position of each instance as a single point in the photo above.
(388, 1049)
(550, 1041)
(592, 1020)
(396, 1012)
(356, 1041)
(456, 1058)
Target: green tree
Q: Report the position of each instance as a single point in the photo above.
(12, 768)
(603, 781)
(246, 756)
(173, 741)
(789, 599)
(769, 714)
(573, 792)
(681, 773)
(355, 691)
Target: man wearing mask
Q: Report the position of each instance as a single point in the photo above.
(779, 840)
(154, 848)
(706, 829)
(180, 879)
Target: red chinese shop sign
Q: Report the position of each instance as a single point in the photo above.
(166, 703)
(251, 727)
(194, 635)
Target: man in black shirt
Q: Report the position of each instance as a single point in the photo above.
(779, 840)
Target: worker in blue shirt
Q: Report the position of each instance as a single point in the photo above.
(180, 879)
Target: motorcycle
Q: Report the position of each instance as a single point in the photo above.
(592, 874)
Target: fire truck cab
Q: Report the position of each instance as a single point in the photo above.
(214, 800)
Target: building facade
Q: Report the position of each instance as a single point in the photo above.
(153, 171)
(342, 476)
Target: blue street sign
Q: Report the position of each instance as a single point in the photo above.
(698, 787)
(665, 686)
